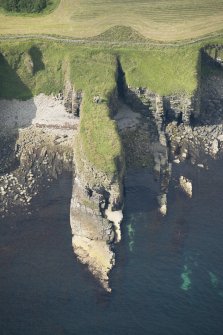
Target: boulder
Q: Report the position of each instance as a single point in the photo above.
(186, 185)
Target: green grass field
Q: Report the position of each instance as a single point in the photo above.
(163, 20)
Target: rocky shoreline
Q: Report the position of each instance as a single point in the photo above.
(39, 140)
(176, 129)
(34, 149)
(44, 149)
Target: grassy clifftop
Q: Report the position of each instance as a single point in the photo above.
(164, 71)
(29, 68)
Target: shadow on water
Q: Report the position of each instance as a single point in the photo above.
(11, 86)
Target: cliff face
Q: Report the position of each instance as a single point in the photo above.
(94, 228)
(157, 114)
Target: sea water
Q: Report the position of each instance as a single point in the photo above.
(168, 278)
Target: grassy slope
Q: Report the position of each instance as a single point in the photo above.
(156, 19)
(17, 82)
(164, 71)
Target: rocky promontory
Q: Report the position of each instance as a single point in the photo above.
(95, 216)
(97, 131)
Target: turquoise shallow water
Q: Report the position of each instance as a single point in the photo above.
(169, 274)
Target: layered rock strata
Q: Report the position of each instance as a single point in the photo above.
(95, 218)
(72, 99)
(151, 108)
(93, 233)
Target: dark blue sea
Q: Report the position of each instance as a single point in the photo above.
(168, 278)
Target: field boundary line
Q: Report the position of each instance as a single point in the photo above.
(83, 41)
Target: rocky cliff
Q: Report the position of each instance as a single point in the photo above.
(179, 127)
(42, 136)
(156, 131)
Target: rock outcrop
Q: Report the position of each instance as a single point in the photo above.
(38, 144)
(186, 185)
(72, 99)
(93, 234)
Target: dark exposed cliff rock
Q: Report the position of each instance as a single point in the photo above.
(72, 99)
(93, 234)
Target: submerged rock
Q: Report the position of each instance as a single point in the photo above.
(214, 147)
(186, 185)
(116, 217)
(162, 200)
